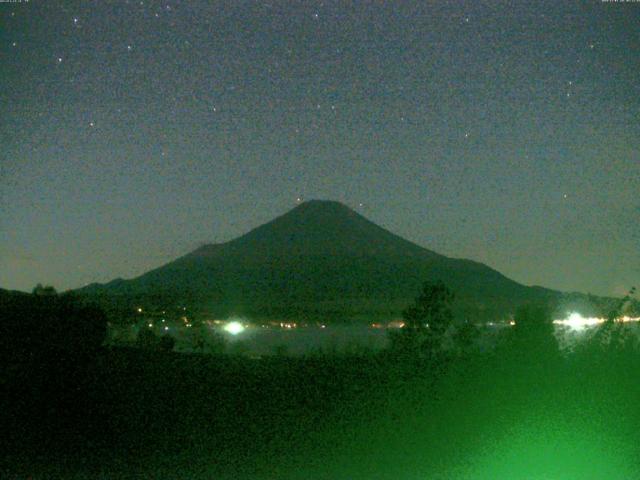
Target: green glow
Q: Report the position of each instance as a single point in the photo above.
(551, 450)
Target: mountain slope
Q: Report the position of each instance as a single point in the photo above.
(320, 259)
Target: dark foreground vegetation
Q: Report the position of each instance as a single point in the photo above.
(524, 410)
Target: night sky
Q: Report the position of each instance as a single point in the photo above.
(505, 132)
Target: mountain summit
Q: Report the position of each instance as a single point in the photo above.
(319, 260)
(319, 227)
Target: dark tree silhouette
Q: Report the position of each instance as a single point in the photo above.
(167, 343)
(47, 322)
(48, 345)
(465, 337)
(42, 291)
(147, 339)
(613, 336)
(427, 320)
(206, 340)
(533, 335)
(432, 309)
(618, 308)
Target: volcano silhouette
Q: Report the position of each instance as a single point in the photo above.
(319, 260)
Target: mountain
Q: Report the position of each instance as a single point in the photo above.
(319, 260)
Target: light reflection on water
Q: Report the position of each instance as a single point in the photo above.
(298, 341)
(256, 340)
(259, 341)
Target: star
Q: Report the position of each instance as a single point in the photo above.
(129, 47)
(92, 124)
(75, 20)
(59, 59)
(15, 44)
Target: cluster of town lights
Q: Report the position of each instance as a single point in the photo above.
(575, 321)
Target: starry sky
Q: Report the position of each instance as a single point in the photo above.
(133, 132)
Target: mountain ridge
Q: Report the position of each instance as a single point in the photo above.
(319, 258)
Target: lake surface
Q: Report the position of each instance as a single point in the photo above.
(260, 341)
(256, 340)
